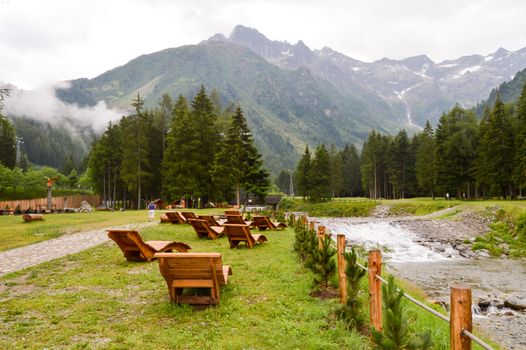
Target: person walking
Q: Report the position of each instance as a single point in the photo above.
(151, 211)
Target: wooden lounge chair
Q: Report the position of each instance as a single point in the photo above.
(203, 229)
(241, 233)
(188, 215)
(210, 219)
(237, 219)
(136, 249)
(193, 270)
(175, 217)
(232, 212)
(263, 222)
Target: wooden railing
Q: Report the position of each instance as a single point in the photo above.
(460, 319)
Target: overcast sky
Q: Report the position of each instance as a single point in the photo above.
(53, 40)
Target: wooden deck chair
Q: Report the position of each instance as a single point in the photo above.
(188, 215)
(232, 212)
(136, 249)
(263, 222)
(241, 233)
(175, 217)
(203, 229)
(193, 270)
(210, 219)
(236, 219)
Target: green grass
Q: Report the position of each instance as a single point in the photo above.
(14, 232)
(335, 208)
(96, 299)
(417, 206)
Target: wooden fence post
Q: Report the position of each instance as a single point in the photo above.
(461, 317)
(342, 277)
(321, 236)
(375, 289)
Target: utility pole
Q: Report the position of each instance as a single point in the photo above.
(291, 187)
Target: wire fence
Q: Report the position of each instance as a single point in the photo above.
(441, 316)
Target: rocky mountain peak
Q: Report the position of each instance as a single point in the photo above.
(246, 35)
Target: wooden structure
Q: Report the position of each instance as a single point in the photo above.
(375, 289)
(193, 270)
(135, 248)
(57, 202)
(175, 217)
(232, 212)
(203, 229)
(210, 219)
(461, 317)
(237, 233)
(32, 217)
(236, 219)
(263, 223)
(342, 265)
(164, 219)
(188, 215)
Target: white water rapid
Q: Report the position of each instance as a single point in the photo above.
(396, 243)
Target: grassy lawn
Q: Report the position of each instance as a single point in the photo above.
(14, 232)
(96, 299)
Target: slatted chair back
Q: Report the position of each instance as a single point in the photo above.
(235, 219)
(135, 248)
(203, 229)
(193, 270)
(210, 219)
(132, 245)
(189, 215)
(239, 233)
(174, 217)
(232, 212)
(263, 222)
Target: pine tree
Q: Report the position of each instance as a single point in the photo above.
(351, 312)
(283, 181)
(238, 164)
(519, 168)
(7, 136)
(180, 164)
(456, 143)
(203, 114)
(135, 164)
(321, 261)
(320, 176)
(396, 333)
(301, 175)
(426, 160)
(498, 141)
(351, 172)
(336, 171)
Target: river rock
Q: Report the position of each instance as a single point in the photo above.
(515, 302)
(484, 254)
(484, 303)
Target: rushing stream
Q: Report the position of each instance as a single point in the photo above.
(435, 267)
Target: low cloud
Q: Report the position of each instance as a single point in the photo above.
(41, 104)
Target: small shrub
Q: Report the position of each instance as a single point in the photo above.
(321, 262)
(351, 313)
(396, 333)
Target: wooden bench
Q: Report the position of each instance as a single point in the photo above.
(237, 233)
(203, 229)
(263, 222)
(193, 270)
(135, 248)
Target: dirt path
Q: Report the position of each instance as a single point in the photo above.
(20, 258)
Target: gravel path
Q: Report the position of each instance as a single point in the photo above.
(20, 258)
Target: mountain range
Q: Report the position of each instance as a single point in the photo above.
(293, 96)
